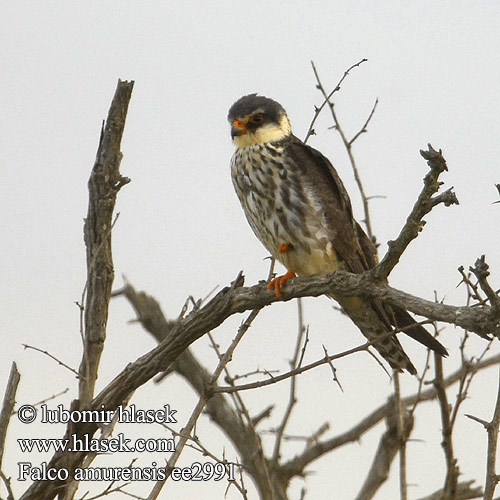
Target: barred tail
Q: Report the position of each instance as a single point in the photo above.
(367, 318)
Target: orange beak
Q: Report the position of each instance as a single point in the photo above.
(238, 128)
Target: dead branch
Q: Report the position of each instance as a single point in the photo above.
(403, 419)
(491, 427)
(224, 416)
(414, 223)
(292, 399)
(348, 146)
(296, 465)
(9, 401)
(452, 471)
(104, 183)
(481, 271)
(465, 491)
(243, 436)
(58, 361)
(318, 110)
(388, 447)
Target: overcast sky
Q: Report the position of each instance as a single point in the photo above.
(433, 65)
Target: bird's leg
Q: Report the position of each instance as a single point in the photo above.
(276, 283)
(284, 247)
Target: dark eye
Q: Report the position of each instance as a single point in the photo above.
(257, 118)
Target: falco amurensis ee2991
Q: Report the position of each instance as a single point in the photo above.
(298, 208)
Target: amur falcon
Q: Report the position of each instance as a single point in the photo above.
(298, 208)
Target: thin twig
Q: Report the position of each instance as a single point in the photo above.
(400, 426)
(414, 222)
(72, 370)
(318, 110)
(203, 400)
(300, 462)
(451, 480)
(348, 146)
(292, 400)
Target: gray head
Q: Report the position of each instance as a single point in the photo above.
(257, 119)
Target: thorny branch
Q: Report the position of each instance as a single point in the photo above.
(388, 447)
(492, 427)
(318, 110)
(9, 400)
(452, 471)
(481, 271)
(241, 432)
(233, 299)
(414, 223)
(220, 412)
(104, 183)
(348, 143)
(292, 399)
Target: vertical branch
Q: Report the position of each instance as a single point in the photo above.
(348, 146)
(292, 400)
(104, 183)
(400, 426)
(492, 428)
(318, 110)
(450, 484)
(202, 402)
(389, 443)
(9, 400)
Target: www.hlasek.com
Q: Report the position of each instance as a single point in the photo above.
(85, 443)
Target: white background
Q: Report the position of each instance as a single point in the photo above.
(434, 67)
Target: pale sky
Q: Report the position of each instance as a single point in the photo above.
(434, 67)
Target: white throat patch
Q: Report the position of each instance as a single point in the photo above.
(267, 133)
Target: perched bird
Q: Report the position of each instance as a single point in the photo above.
(298, 208)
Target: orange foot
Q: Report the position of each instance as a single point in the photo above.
(279, 281)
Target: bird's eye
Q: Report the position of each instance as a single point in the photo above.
(257, 118)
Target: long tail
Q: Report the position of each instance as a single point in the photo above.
(375, 319)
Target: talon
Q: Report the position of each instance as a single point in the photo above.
(279, 281)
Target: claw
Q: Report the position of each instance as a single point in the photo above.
(279, 281)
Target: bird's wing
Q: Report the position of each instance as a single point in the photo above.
(348, 239)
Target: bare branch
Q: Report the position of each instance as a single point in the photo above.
(423, 206)
(348, 146)
(452, 472)
(465, 491)
(388, 447)
(9, 400)
(492, 428)
(297, 464)
(318, 110)
(403, 419)
(72, 370)
(292, 400)
(6, 482)
(104, 183)
(481, 271)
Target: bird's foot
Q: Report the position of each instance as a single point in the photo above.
(276, 283)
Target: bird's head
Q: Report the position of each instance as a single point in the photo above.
(256, 119)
